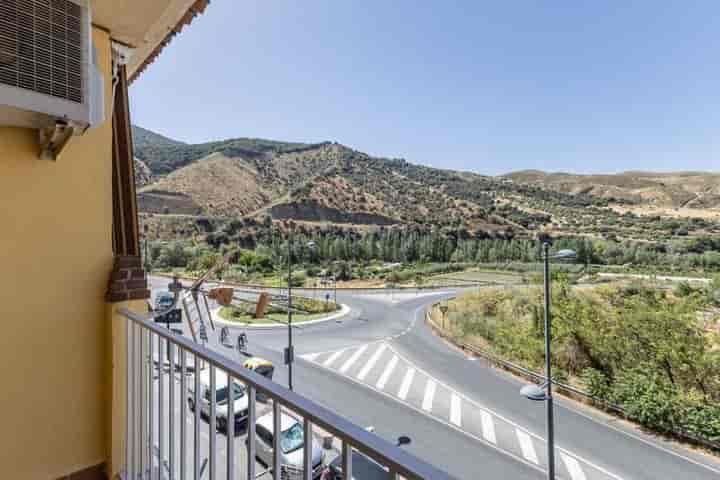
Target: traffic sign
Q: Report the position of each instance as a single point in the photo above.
(173, 316)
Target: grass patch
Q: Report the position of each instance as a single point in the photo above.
(232, 314)
(312, 310)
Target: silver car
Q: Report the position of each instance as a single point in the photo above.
(292, 440)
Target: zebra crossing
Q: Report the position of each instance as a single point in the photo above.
(379, 367)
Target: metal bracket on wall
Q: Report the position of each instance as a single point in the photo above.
(54, 139)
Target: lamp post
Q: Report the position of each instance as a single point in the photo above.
(290, 350)
(544, 392)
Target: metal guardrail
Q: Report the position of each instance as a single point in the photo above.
(152, 415)
(562, 387)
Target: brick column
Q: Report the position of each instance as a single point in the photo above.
(127, 288)
(127, 280)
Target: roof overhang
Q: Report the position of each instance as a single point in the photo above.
(146, 26)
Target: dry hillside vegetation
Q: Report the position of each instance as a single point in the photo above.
(218, 185)
(329, 183)
(660, 190)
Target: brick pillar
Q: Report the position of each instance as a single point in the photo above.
(127, 288)
(127, 280)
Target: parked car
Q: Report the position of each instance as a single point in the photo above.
(221, 399)
(292, 441)
(363, 468)
(164, 300)
(261, 366)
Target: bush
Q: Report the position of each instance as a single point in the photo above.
(342, 271)
(596, 383)
(310, 305)
(684, 289)
(313, 271)
(174, 255)
(701, 418)
(647, 398)
(255, 262)
(297, 279)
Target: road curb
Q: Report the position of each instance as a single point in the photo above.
(344, 310)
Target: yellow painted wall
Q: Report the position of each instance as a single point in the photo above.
(55, 257)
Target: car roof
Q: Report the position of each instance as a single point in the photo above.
(164, 294)
(286, 421)
(364, 467)
(220, 379)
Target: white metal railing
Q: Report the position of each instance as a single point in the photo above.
(164, 439)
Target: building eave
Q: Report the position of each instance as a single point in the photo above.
(168, 28)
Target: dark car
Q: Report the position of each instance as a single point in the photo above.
(164, 300)
(363, 468)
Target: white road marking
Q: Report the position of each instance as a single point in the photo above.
(310, 357)
(371, 363)
(353, 358)
(429, 395)
(455, 415)
(407, 381)
(488, 426)
(573, 466)
(446, 423)
(386, 374)
(333, 357)
(510, 422)
(527, 447)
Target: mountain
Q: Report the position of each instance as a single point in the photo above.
(700, 190)
(326, 183)
(315, 183)
(164, 155)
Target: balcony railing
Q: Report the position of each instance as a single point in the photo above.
(165, 437)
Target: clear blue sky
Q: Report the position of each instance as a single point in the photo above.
(487, 86)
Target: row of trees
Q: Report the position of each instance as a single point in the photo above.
(443, 246)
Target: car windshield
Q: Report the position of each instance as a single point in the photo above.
(292, 439)
(221, 395)
(164, 301)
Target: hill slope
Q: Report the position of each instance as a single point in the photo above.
(667, 190)
(328, 183)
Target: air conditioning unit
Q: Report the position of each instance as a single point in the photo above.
(48, 76)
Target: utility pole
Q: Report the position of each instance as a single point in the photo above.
(289, 352)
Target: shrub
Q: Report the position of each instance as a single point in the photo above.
(684, 289)
(647, 398)
(297, 279)
(596, 383)
(701, 418)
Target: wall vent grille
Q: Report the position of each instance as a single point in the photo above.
(41, 47)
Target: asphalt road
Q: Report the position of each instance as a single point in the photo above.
(381, 366)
